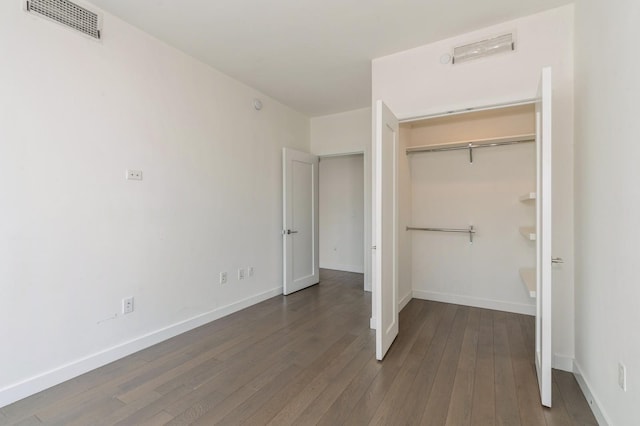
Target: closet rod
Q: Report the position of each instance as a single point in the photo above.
(468, 146)
(471, 230)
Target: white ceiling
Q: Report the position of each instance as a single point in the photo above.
(313, 55)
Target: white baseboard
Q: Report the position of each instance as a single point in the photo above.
(562, 362)
(359, 269)
(596, 407)
(40, 382)
(403, 302)
(517, 308)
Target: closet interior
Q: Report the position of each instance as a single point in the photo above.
(466, 192)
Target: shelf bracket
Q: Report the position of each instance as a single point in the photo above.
(470, 153)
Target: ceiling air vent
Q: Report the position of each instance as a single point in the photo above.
(480, 49)
(68, 14)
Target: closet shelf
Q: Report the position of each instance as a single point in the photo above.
(528, 197)
(528, 276)
(473, 143)
(529, 232)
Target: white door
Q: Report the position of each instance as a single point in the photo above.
(384, 233)
(299, 220)
(543, 240)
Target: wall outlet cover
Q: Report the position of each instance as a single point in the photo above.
(134, 174)
(127, 305)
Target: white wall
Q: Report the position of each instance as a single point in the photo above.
(414, 82)
(344, 133)
(608, 204)
(76, 237)
(342, 213)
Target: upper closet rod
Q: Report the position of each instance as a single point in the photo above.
(485, 143)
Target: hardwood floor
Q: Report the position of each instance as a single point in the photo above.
(308, 358)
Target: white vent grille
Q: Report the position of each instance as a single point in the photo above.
(480, 49)
(68, 14)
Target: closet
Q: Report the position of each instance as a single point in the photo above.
(467, 208)
(462, 213)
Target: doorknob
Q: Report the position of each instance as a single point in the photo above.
(289, 231)
(557, 260)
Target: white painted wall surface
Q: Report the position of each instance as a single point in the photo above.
(76, 237)
(608, 205)
(414, 82)
(344, 133)
(342, 213)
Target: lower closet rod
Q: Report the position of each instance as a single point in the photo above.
(471, 230)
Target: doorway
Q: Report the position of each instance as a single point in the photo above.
(342, 212)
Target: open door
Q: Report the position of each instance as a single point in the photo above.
(384, 232)
(543, 240)
(299, 220)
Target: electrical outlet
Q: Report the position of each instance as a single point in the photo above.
(134, 174)
(241, 274)
(223, 277)
(622, 376)
(127, 305)
(250, 271)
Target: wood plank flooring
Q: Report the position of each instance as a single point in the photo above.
(308, 359)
